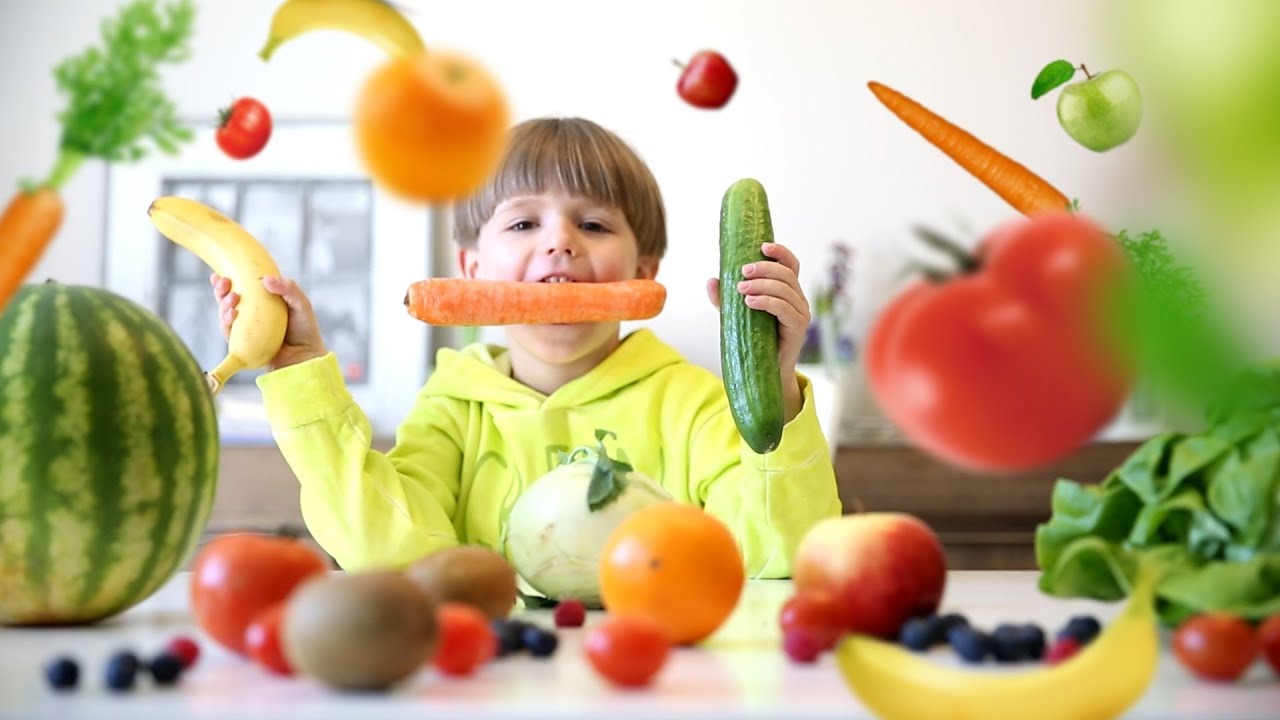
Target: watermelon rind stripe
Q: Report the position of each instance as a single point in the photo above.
(70, 514)
(184, 412)
(15, 445)
(41, 448)
(99, 326)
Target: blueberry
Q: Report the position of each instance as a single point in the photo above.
(122, 670)
(510, 636)
(948, 621)
(1082, 628)
(1031, 637)
(541, 643)
(63, 673)
(1006, 644)
(165, 668)
(918, 634)
(970, 644)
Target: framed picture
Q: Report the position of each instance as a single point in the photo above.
(351, 247)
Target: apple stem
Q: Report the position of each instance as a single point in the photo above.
(678, 63)
(1086, 72)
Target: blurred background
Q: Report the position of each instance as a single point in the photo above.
(847, 181)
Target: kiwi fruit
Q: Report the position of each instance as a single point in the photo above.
(468, 574)
(359, 631)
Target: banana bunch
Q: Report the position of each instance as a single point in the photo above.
(1099, 682)
(225, 246)
(377, 21)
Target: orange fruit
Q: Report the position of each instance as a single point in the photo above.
(676, 564)
(431, 127)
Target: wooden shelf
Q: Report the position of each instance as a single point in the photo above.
(985, 521)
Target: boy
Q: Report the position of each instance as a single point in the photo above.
(571, 202)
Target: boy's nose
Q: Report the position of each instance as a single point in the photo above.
(561, 239)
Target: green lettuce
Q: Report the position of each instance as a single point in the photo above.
(1203, 507)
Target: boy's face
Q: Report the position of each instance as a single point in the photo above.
(553, 237)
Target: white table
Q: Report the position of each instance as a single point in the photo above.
(740, 672)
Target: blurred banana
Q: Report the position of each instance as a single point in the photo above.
(1100, 681)
(375, 20)
(225, 246)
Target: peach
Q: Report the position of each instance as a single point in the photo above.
(884, 568)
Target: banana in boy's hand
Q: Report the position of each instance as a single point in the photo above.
(233, 253)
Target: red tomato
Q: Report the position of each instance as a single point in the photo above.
(815, 612)
(1003, 368)
(262, 639)
(238, 575)
(466, 639)
(1269, 639)
(627, 650)
(1216, 646)
(244, 128)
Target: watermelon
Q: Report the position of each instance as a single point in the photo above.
(108, 454)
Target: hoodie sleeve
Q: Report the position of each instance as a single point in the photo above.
(366, 509)
(768, 501)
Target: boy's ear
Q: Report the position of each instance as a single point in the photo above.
(468, 261)
(647, 268)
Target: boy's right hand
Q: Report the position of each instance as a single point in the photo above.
(302, 339)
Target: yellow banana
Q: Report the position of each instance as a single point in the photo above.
(1100, 681)
(225, 246)
(375, 20)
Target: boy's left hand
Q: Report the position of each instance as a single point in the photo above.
(775, 288)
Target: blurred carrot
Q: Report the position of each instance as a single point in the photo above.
(458, 301)
(1027, 192)
(27, 226)
(114, 105)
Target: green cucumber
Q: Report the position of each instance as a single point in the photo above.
(748, 337)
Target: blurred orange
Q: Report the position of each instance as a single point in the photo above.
(431, 127)
(677, 565)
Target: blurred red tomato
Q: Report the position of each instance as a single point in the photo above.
(238, 575)
(262, 640)
(1005, 367)
(244, 128)
(1216, 646)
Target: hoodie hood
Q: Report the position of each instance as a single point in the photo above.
(482, 373)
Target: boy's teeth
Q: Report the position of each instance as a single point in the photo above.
(556, 280)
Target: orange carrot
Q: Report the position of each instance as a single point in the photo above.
(26, 228)
(1027, 192)
(458, 301)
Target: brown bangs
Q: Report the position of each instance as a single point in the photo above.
(575, 157)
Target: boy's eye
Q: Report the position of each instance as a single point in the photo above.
(521, 225)
(593, 226)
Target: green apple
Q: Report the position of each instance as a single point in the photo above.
(1102, 112)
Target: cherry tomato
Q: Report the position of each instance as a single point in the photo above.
(466, 639)
(262, 639)
(238, 575)
(1216, 646)
(244, 128)
(627, 650)
(815, 612)
(1269, 639)
(1003, 367)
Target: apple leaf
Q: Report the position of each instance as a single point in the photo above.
(1053, 75)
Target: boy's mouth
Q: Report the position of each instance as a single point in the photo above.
(557, 279)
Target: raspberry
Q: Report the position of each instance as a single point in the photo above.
(570, 613)
(185, 649)
(802, 645)
(1065, 647)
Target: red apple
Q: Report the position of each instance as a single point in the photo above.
(884, 568)
(707, 81)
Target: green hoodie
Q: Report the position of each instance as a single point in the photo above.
(476, 438)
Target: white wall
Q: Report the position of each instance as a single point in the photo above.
(837, 165)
